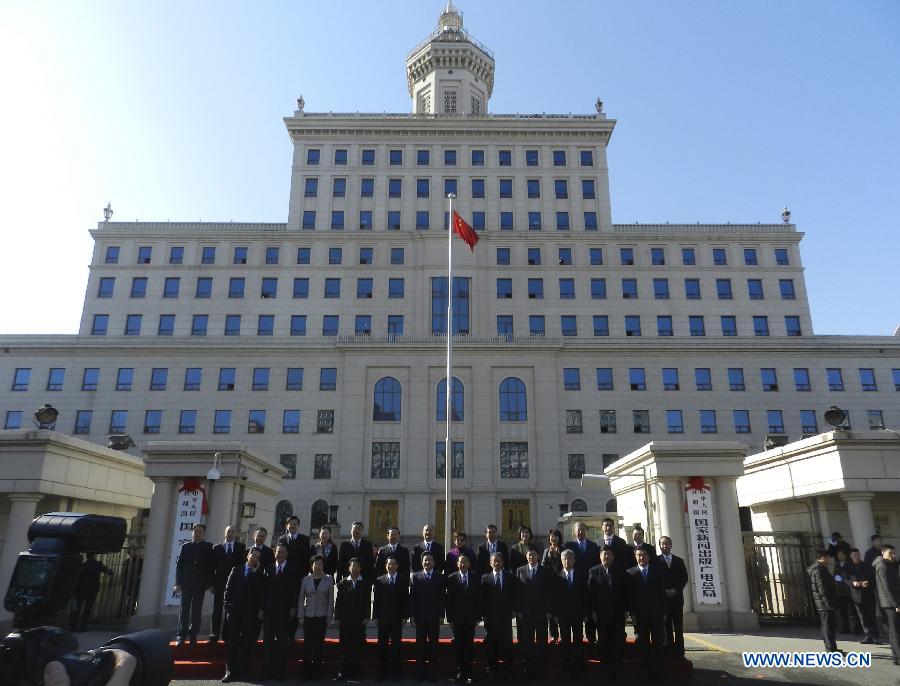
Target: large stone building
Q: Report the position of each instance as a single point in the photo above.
(320, 342)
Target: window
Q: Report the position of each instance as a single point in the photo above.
(152, 421)
(760, 326)
(106, 286)
(895, 375)
(423, 219)
(562, 221)
(629, 289)
(423, 188)
(587, 189)
(786, 286)
(559, 158)
(83, 422)
(604, 379)
(506, 188)
(385, 460)
(139, 287)
(337, 220)
(688, 257)
(876, 420)
(439, 298)
(222, 422)
(531, 158)
(332, 288)
(328, 379)
(478, 158)
(273, 253)
(395, 288)
(367, 188)
(708, 423)
(641, 421)
(478, 221)
(144, 253)
(301, 288)
(598, 289)
(769, 379)
(781, 257)
(720, 257)
(587, 158)
(723, 289)
(112, 254)
(755, 289)
(866, 380)
(513, 460)
(792, 326)
(674, 422)
(697, 327)
(294, 379)
(533, 187)
(55, 379)
(227, 378)
(661, 289)
(309, 220)
(567, 289)
(703, 378)
(265, 325)
(626, 256)
(664, 325)
(325, 422)
(574, 424)
(200, 324)
(536, 325)
(607, 421)
(423, 158)
(289, 462)
(637, 378)
(192, 378)
(187, 422)
(568, 325)
(236, 287)
(330, 324)
(118, 421)
(835, 379)
(477, 188)
(364, 288)
(572, 379)
(601, 325)
(440, 460)
(395, 188)
(750, 258)
(504, 158)
(595, 256)
(561, 189)
(124, 379)
(240, 255)
(775, 421)
(741, 421)
(729, 325)
(88, 382)
(204, 287)
(692, 289)
(395, 157)
(232, 325)
(322, 466)
(808, 422)
(133, 324)
(801, 379)
(290, 422)
(457, 400)
(368, 157)
(269, 288)
(362, 325)
(534, 256)
(312, 156)
(100, 324)
(504, 288)
(395, 325)
(736, 379)
(657, 256)
(159, 377)
(670, 379)
(513, 405)
(256, 422)
(340, 157)
(576, 466)
(590, 221)
(534, 221)
(506, 221)
(393, 220)
(21, 379)
(632, 325)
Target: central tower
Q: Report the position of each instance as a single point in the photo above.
(450, 72)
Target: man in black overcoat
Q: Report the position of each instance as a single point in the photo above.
(570, 608)
(608, 591)
(675, 578)
(428, 545)
(391, 610)
(227, 555)
(298, 545)
(394, 549)
(825, 596)
(426, 606)
(535, 593)
(887, 591)
(647, 604)
(280, 611)
(266, 554)
(498, 606)
(245, 595)
(463, 607)
(193, 575)
(360, 548)
(352, 610)
(491, 545)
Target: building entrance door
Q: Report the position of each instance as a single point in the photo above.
(457, 518)
(516, 513)
(382, 514)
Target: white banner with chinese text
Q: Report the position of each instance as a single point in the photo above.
(188, 510)
(701, 516)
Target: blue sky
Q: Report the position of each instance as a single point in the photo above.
(726, 111)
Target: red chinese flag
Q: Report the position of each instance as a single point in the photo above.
(466, 232)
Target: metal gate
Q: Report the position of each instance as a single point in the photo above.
(777, 561)
(117, 598)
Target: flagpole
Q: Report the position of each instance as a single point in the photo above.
(448, 385)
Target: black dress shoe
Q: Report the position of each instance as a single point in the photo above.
(213, 639)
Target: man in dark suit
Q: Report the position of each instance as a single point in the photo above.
(608, 601)
(393, 549)
(266, 554)
(587, 554)
(361, 549)
(193, 575)
(227, 555)
(498, 605)
(879, 628)
(463, 613)
(825, 596)
(887, 591)
(647, 602)
(428, 545)
(297, 545)
(535, 592)
(280, 610)
(245, 593)
(390, 610)
(426, 605)
(570, 609)
(638, 542)
(622, 553)
(491, 545)
(352, 610)
(861, 581)
(675, 578)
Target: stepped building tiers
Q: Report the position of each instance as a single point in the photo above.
(319, 343)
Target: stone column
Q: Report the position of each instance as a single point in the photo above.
(731, 554)
(862, 521)
(671, 520)
(221, 509)
(156, 555)
(21, 513)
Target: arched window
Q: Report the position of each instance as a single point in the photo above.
(387, 400)
(318, 515)
(578, 505)
(457, 404)
(611, 505)
(513, 405)
(283, 510)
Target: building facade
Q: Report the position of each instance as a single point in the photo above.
(320, 342)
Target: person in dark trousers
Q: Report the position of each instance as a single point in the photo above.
(86, 590)
(352, 610)
(647, 604)
(861, 581)
(887, 590)
(266, 554)
(825, 597)
(570, 610)
(227, 555)
(847, 621)
(280, 611)
(535, 593)
(463, 609)
(393, 549)
(360, 548)
(638, 542)
(391, 610)
(550, 558)
(428, 545)
(587, 554)
(245, 593)
(491, 545)
(879, 628)
(426, 606)
(675, 578)
(608, 591)
(498, 606)
(193, 575)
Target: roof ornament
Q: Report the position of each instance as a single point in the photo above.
(301, 103)
(107, 212)
(599, 106)
(785, 215)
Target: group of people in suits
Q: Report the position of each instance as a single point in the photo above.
(861, 592)
(575, 593)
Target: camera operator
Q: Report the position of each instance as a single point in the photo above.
(193, 576)
(55, 673)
